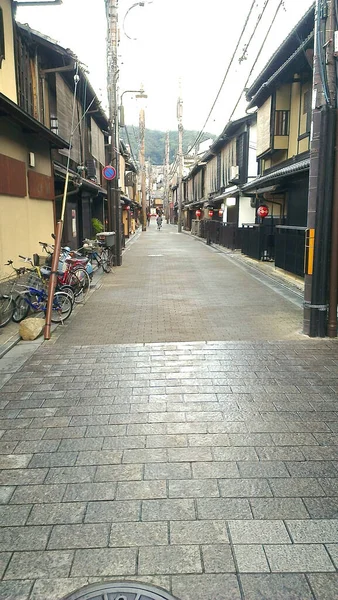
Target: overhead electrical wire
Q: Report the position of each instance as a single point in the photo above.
(281, 3)
(229, 66)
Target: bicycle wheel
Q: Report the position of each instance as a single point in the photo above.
(62, 307)
(106, 260)
(21, 308)
(83, 284)
(6, 310)
(67, 289)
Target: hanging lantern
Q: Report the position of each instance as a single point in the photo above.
(262, 211)
(211, 212)
(220, 212)
(127, 207)
(198, 213)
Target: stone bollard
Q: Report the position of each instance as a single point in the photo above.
(31, 328)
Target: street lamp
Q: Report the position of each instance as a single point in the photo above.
(128, 11)
(139, 94)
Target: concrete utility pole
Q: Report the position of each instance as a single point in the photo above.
(166, 178)
(321, 235)
(142, 126)
(114, 210)
(180, 162)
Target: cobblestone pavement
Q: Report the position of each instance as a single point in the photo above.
(208, 468)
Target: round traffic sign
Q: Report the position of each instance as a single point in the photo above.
(109, 172)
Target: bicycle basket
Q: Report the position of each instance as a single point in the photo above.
(36, 260)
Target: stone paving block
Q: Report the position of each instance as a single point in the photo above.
(324, 585)
(195, 488)
(166, 441)
(119, 472)
(147, 455)
(24, 538)
(329, 485)
(166, 417)
(209, 439)
(138, 534)
(7, 447)
(298, 486)
(134, 490)
(169, 560)
(264, 469)
(45, 514)
(168, 510)
(4, 560)
(105, 562)
(322, 531)
(14, 515)
(58, 433)
(56, 588)
(106, 512)
(36, 446)
(53, 459)
(280, 453)
(251, 559)
(275, 586)
(78, 421)
(214, 470)
(147, 429)
(103, 457)
(177, 428)
(15, 590)
(232, 454)
(294, 439)
(322, 508)
(223, 508)
(97, 431)
(22, 476)
(259, 532)
(333, 551)
(278, 508)
(89, 492)
(189, 454)
(167, 471)
(201, 587)
(70, 475)
(198, 532)
(251, 439)
(14, 461)
(217, 558)
(298, 557)
(122, 443)
(69, 536)
(81, 445)
(34, 565)
(244, 488)
(313, 468)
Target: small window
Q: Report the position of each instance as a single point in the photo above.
(2, 38)
(282, 122)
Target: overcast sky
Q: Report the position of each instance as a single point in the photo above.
(191, 40)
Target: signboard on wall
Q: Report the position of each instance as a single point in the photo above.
(264, 127)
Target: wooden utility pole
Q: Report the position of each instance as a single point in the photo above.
(180, 163)
(114, 209)
(166, 178)
(143, 169)
(322, 155)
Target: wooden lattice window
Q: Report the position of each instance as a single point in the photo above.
(282, 119)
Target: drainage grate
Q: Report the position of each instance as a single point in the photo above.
(120, 591)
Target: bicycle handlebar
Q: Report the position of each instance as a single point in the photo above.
(25, 258)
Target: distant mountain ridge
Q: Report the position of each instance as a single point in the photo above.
(155, 142)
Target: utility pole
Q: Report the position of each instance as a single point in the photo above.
(143, 169)
(166, 178)
(321, 237)
(180, 162)
(114, 210)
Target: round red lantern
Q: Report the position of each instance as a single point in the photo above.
(198, 213)
(127, 207)
(211, 212)
(262, 211)
(220, 212)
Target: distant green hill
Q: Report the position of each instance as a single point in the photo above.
(155, 142)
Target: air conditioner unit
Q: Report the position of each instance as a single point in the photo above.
(130, 178)
(234, 173)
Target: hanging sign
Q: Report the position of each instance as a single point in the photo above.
(109, 173)
(262, 211)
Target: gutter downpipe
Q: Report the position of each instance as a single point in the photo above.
(333, 276)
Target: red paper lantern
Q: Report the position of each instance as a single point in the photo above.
(220, 212)
(127, 207)
(211, 212)
(198, 213)
(262, 211)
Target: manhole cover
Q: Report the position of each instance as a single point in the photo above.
(120, 591)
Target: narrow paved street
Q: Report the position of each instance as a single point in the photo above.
(178, 431)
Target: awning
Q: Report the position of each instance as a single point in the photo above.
(298, 167)
(29, 125)
(231, 191)
(80, 181)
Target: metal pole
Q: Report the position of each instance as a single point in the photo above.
(180, 163)
(143, 169)
(321, 171)
(114, 210)
(333, 284)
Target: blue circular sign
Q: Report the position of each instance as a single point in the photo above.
(109, 172)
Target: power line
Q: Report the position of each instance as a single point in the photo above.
(281, 3)
(227, 72)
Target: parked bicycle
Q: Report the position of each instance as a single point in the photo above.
(35, 299)
(98, 254)
(7, 298)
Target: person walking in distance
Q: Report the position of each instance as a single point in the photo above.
(159, 222)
